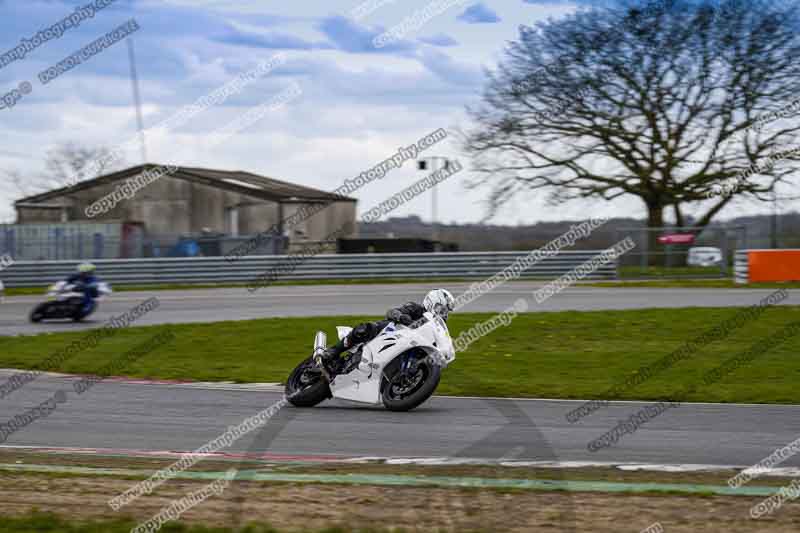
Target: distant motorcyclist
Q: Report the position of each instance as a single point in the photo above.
(438, 301)
(86, 282)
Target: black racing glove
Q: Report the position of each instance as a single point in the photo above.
(361, 333)
(396, 315)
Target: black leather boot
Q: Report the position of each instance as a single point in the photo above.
(331, 356)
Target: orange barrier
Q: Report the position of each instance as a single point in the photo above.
(773, 265)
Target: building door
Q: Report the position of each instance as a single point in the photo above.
(232, 221)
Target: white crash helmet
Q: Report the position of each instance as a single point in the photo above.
(439, 302)
(85, 268)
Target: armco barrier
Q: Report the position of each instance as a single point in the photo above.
(342, 266)
(754, 266)
(741, 271)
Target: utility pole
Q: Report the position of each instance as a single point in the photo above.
(773, 226)
(429, 163)
(136, 98)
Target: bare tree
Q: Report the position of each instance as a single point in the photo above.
(62, 164)
(22, 185)
(69, 160)
(664, 100)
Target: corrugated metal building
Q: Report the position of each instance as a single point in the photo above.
(193, 202)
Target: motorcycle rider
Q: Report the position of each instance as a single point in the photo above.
(438, 301)
(86, 282)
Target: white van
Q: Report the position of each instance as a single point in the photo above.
(704, 256)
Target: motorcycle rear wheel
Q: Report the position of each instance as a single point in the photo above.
(306, 386)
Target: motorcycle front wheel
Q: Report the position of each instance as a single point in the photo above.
(403, 391)
(306, 386)
(39, 312)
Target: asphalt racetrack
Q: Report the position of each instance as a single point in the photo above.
(149, 417)
(213, 305)
(125, 416)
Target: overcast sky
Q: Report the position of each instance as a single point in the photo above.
(358, 103)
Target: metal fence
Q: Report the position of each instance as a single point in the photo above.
(116, 240)
(39, 242)
(200, 270)
(655, 260)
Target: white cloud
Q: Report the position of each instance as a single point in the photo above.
(358, 105)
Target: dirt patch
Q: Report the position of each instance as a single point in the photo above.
(296, 507)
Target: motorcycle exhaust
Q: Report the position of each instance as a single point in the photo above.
(320, 342)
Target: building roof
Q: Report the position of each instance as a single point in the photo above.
(237, 181)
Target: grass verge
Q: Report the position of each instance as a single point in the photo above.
(664, 283)
(692, 284)
(28, 291)
(553, 355)
(639, 272)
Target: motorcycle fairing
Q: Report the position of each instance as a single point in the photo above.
(364, 382)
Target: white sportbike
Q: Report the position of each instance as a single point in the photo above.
(400, 368)
(66, 301)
